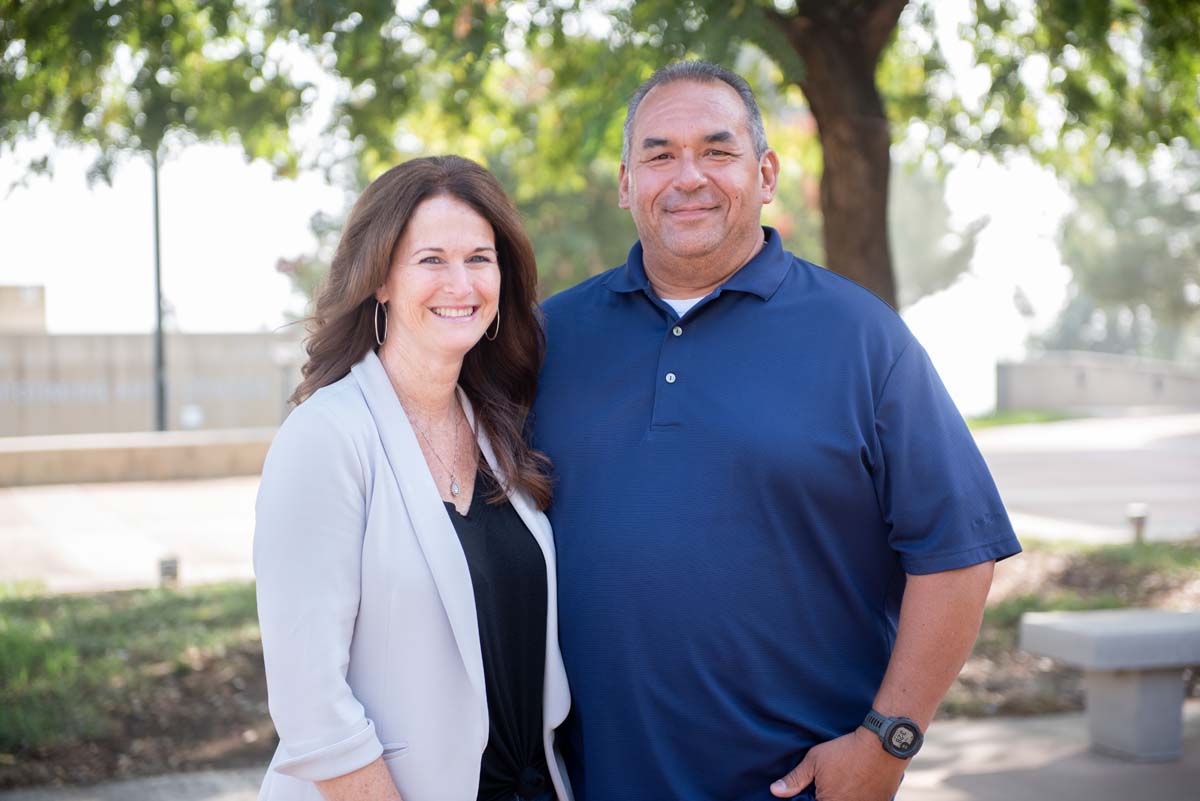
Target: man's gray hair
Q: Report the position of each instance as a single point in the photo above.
(698, 72)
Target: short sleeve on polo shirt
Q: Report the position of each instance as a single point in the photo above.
(935, 491)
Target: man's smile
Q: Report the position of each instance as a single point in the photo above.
(690, 212)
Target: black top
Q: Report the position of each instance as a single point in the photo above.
(508, 574)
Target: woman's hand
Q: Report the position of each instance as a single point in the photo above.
(369, 783)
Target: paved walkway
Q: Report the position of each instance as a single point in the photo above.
(1043, 759)
(1067, 480)
(1010, 759)
(109, 536)
(1074, 479)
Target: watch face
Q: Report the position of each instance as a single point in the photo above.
(903, 737)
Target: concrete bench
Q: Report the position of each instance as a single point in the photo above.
(1133, 661)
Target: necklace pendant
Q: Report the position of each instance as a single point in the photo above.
(454, 488)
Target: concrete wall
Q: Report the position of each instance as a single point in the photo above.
(1081, 381)
(68, 384)
(139, 456)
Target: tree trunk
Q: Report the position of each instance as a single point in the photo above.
(839, 45)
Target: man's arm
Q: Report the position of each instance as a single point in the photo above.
(940, 616)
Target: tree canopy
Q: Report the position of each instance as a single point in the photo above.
(550, 76)
(537, 87)
(1133, 245)
(1071, 78)
(125, 76)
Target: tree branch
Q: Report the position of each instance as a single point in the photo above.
(792, 26)
(877, 27)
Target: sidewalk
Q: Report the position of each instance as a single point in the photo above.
(1067, 480)
(84, 537)
(1074, 479)
(209, 785)
(1044, 759)
(1004, 759)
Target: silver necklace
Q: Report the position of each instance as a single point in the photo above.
(455, 488)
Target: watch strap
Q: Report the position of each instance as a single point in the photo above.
(875, 722)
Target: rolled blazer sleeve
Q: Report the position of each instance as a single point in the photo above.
(310, 519)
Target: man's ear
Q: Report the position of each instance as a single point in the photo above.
(623, 187)
(769, 170)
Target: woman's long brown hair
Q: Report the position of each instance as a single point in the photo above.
(499, 377)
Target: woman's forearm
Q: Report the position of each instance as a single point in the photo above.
(369, 783)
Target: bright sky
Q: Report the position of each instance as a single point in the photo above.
(224, 225)
(973, 324)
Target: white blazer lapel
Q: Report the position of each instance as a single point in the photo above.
(431, 524)
(533, 519)
(556, 698)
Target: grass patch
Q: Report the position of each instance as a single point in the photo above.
(1155, 554)
(1002, 621)
(1017, 418)
(1157, 557)
(71, 665)
(1008, 613)
(24, 588)
(1094, 577)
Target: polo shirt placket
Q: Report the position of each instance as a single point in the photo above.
(680, 362)
(678, 366)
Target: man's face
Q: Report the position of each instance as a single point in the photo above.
(693, 182)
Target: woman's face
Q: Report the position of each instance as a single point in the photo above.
(443, 288)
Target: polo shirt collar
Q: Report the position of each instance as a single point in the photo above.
(760, 276)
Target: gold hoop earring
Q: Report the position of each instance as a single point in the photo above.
(492, 338)
(379, 339)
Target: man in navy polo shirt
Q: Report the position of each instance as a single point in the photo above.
(775, 534)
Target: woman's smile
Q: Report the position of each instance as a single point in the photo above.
(455, 312)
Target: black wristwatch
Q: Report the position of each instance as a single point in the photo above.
(901, 737)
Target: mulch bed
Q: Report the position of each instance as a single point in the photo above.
(210, 714)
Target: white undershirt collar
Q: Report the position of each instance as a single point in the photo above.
(682, 305)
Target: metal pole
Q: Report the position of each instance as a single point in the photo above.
(160, 369)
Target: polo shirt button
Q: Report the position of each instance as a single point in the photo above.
(670, 378)
(677, 331)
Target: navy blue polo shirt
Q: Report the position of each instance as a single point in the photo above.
(740, 493)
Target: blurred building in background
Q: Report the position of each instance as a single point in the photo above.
(1090, 383)
(79, 383)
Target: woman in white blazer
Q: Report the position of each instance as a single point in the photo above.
(406, 585)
